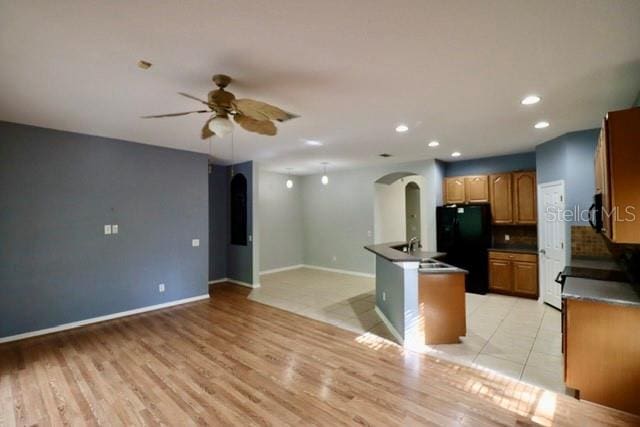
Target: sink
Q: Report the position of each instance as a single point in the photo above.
(435, 265)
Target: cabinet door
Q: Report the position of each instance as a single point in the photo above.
(500, 275)
(454, 190)
(525, 278)
(598, 162)
(476, 189)
(607, 220)
(524, 203)
(501, 204)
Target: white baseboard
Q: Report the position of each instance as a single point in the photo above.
(336, 270)
(277, 270)
(235, 282)
(79, 323)
(388, 324)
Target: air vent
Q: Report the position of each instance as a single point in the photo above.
(145, 65)
(384, 155)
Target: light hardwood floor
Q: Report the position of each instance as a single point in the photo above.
(232, 361)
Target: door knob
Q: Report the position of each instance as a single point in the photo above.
(542, 251)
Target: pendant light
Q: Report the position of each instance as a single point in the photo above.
(325, 178)
(289, 182)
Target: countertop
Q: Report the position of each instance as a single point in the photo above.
(386, 251)
(610, 292)
(590, 262)
(523, 249)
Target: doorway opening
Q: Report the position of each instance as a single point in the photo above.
(412, 210)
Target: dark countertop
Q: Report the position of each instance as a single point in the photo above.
(610, 292)
(523, 249)
(386, 251)
(591, 262)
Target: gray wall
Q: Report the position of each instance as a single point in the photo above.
(281, 229)
(570, 158)
(240, 258)
(496, 164)
(338, 218)
(218, 221)
(390, 281)
(58, 189)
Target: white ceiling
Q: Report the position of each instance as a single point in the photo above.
(454, 71)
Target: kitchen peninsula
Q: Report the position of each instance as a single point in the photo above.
(420, 298)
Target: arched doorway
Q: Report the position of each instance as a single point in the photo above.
(412, 210)
(238, 204)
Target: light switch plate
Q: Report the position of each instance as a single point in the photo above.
(195, 243)
(114, 229)
(161, 287)
(107, 229)
(507, 237)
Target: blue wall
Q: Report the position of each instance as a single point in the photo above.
(58, 189)
(570, 158)
(218, 221)
(487, 165)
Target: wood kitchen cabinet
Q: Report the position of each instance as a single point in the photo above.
(513, 273)
(617, 176)
(513, 197)
(454, 190)
(500, 196)
(601, 348)
(476, 189)
(524, 198)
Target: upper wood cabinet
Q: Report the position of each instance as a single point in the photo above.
(618, 175)
(476, 189)
(501, 202)
(524, 194)
(454, 190)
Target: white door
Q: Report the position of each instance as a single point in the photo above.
(551, 236)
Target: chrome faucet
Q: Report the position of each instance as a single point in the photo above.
(414, 243)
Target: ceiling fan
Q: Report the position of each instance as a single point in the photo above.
(253, 116)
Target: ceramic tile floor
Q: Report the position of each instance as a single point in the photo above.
(517, 337)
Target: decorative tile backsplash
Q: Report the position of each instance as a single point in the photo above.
(586, 242)
(519, 235)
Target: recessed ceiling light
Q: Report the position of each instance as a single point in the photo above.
(530, 100)
(455, 154)
(434, 144)
(402, 128)
(541, 125)
(314, 143)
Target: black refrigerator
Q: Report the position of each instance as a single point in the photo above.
(464, 233)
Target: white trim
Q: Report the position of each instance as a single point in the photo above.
(389, 326)
(245, 284)
(335, 270)
(213, 282)
(277, 270)
(79, 323)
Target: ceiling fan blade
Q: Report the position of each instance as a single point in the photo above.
(263, 127)
(261, 110)
(206, 132)
(195, 98)
(174, 114)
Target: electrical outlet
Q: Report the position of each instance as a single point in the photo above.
(161, 287)
(507, 237)
(114, 229)
(195, 243)
(369, 233)
(107, 229)
(384, 296)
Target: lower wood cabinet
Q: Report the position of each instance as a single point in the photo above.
(602, 352)
(513, 273)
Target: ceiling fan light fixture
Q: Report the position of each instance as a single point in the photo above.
(221, 126)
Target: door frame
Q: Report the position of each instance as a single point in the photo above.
(542, 186)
